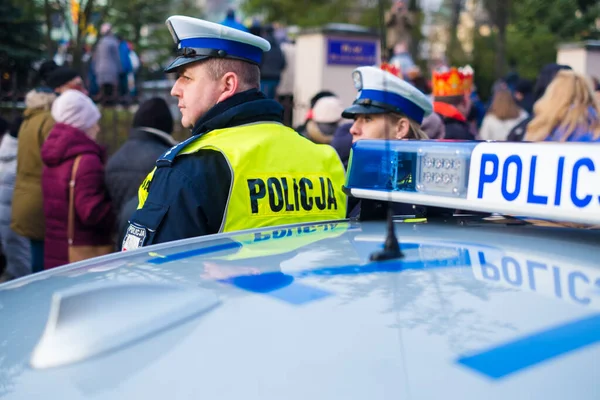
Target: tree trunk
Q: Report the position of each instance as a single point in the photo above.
(81, 35)
(453, 47)
(501, 21)
(48, 17)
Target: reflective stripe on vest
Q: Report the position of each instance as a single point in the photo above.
(278, 177)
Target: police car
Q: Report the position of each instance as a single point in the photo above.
(499, 304)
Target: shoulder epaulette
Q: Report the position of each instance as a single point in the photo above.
(166, 160)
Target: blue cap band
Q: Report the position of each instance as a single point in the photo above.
(233, 48)
(393, 100)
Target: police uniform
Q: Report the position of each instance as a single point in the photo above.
(381, 92)
(242, 168)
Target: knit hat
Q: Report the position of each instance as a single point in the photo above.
(46, 68)
(328, 110)
(75, 109)
(154, 113)
(60, 76)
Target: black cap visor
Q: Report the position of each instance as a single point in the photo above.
(358, 109)
(182, 60)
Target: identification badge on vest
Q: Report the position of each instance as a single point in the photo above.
(135, 237)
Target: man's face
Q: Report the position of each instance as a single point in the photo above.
(196, 91)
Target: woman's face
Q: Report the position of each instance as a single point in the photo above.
(93, 131)
(378, 126)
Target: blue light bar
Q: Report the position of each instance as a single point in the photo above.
(553, 181)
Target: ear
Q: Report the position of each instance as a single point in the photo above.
(229, 86)
(402, 128)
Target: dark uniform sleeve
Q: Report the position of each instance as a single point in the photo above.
(185, 200)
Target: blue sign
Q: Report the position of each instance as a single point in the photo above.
(351, 52)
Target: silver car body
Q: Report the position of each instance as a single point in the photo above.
(475, 310)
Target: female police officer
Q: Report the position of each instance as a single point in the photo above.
(242, 168)
(386, 107)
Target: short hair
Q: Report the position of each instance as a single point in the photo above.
(248, 74)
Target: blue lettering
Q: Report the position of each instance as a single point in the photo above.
(259, 237)
(532, 197)
(559, 181)
(518, 281)
(309, 229)
(557, 284)
(514, 159)
(584, 162)
(531, 265)
(486, 268)
(483, 177)
(572, 277)
(279, 234)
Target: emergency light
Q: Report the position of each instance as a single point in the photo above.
(552, 181)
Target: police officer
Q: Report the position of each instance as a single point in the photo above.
(386, 107)
(242, 168)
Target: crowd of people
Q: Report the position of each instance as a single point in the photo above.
(61, 200)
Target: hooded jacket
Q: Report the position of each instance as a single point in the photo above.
(17, 248)
(93, 210)
(27, 217)
(128, 167)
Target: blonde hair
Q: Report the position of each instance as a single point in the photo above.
(565, 105)
(415, 131)
(504, 107)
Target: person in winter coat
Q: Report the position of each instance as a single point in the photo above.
(149, 138)
(273, 63)
(107, 64)
(327, 115)
(73, 136)
(452, 102)
(567, 112)
(546, 76)
(27, 217)
(17, 249)
(502, 116)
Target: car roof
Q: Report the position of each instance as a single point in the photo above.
(474, 310)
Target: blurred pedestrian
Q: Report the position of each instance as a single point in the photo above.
(27, 218)
(452, 101)
(327, 115)
(546, 76)
(16, 248)
(272, 65)
(503, 115)
(149, 137)
(77, 209)
(107, 65)
(567, 112)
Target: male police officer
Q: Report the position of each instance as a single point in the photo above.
(241, 168)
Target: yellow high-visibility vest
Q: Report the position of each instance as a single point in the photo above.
(278, 176)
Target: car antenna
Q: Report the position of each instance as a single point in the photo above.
(391, 248)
